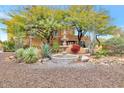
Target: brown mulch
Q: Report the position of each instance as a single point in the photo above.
(21, 75)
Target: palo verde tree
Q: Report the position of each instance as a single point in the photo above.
(15, 29)
(43, 21)
(101, 25)
(79, 18)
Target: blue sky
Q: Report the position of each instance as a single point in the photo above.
(115, 11)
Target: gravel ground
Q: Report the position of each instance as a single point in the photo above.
(51, 75)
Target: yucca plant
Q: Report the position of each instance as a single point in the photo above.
(19, 54)
(30, 55)
(46, 51)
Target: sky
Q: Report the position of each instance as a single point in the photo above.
(115, 11)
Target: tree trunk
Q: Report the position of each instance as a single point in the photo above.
(50, 38)
(79, 37)
(98, 40)
(92, 44)
(30, 41)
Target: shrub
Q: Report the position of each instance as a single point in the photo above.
(55, 47)
(30, 55)
(46, 51)
(19, 54)
(101, 53)
(8, 46)
(114, 45)
(75, 48)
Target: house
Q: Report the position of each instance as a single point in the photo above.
(58, 35)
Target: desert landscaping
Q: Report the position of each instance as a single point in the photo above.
(46, 47)
(52, 75)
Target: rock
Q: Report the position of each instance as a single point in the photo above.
(40, 60)
(45, 60)
(11, 57)
(1, 51)
(88, 54)
(84, 59)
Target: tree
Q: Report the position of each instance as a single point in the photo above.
(101, 25)
(15, 29)
(79, 17)
(43, 21)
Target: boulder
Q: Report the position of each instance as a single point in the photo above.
(11, 57)
(84, 59)
(45, 60)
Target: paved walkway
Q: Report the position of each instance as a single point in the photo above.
(51, 75)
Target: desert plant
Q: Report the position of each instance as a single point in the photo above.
(114, 45)
(19, 54)
(30, 55)
(46, 51)
(75, 48)
(101, 53)
(8, 46)
(55, 47)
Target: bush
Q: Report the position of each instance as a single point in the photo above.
(8, 46)
(101, 53)
(75, 48)
(46, 51)
(114, 45)
(55, 47)
(19, 54)
(30, 55)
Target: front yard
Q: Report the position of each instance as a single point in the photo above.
(54, 75)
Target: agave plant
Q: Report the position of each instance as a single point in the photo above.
(46, 51)
(19, 54)
(30, 55)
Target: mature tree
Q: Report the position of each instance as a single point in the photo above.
(43, 21)
(79, 17)
(15, 29)
(102, 25)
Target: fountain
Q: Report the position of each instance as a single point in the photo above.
(64, 57)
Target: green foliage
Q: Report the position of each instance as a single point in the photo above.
(46, 27)
(30, 55)
(55, 47)
(41, 21)
(19, 54)
(101, 53)
(46, 51)
(15, 25)
(8, 46)
(114, 41)
(115, 45)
